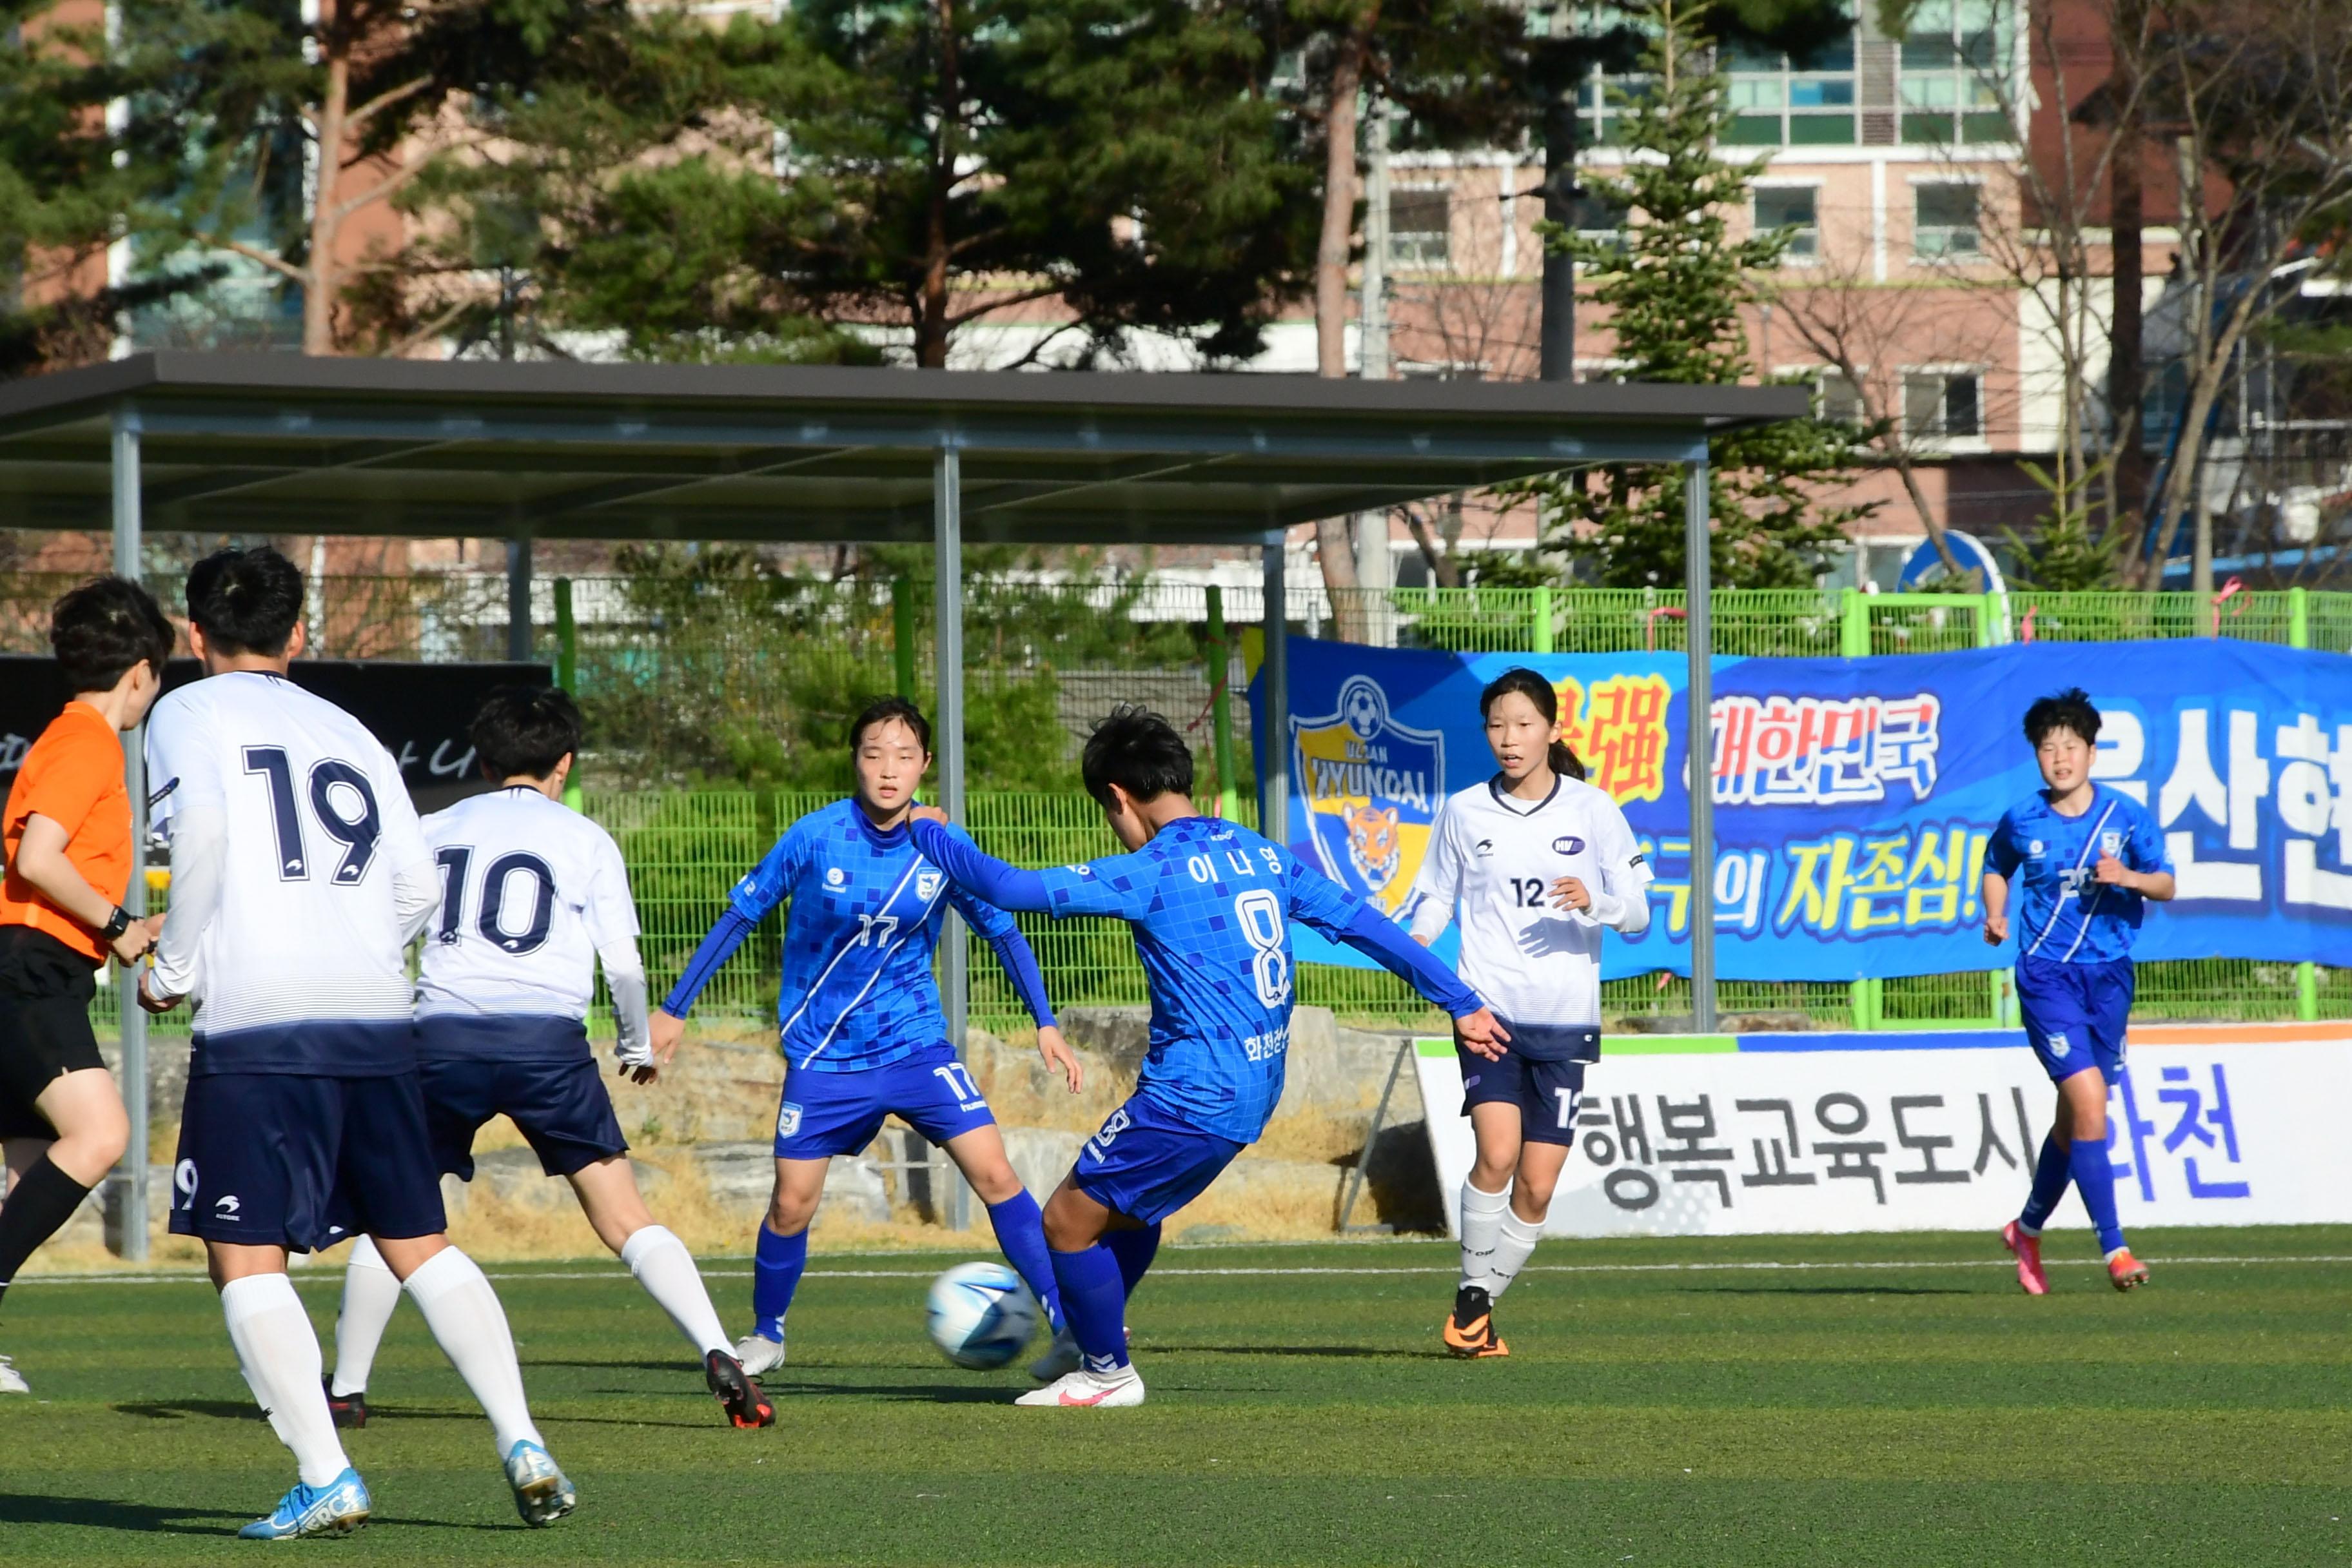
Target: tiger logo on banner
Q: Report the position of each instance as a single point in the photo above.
(1372, 788)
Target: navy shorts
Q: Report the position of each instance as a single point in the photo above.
(273, 1159)
(2074, 1015)
(561, 1107)
(828, 1113)
(1547, 1092)
(1146, 1164)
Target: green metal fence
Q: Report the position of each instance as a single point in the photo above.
(690, 679)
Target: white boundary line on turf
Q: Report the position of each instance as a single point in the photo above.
(330, 1275)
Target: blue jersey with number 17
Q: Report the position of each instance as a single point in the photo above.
(1212, 905)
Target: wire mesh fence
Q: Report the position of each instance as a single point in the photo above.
(718, 702)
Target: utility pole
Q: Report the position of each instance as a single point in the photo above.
(1375, 567)
(1558, 358)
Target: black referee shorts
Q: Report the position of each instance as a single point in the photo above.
(46, 989)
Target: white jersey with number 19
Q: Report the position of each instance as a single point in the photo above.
(298, 873)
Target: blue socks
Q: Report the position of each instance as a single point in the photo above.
(1095, 1300)
(1134, 1250)
(2052, 1172)
(776, 1265)
(2094, 1178)
(1021, 1233)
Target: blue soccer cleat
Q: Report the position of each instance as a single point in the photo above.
(542, 1493)
(336, 1508)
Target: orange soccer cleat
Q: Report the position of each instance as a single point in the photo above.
(2126, 1272)
(1469, 1330)
(2027, 1247)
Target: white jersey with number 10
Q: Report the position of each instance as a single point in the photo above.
(532, 893)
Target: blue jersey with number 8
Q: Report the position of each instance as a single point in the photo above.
(1211, 904)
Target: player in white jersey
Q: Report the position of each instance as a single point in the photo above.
(533, 895)
(1532, 863)
(299, 873)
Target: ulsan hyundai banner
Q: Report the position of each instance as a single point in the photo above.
(1853, 797)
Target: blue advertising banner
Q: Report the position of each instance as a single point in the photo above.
(1853, 797)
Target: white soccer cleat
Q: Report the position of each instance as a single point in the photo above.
(1113, 1390)
(1063, 1357)
(759, 1354)
(11, 1380)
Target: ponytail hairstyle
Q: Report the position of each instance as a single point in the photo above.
(1537, 691)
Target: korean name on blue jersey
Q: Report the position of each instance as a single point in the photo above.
(1210, 903)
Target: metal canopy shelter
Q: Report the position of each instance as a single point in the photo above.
(280, 444)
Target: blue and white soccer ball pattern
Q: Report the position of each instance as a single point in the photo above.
(981, 1315)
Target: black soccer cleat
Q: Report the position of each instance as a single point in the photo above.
(350, 1410)
(1470, 1333)
(736, 1392)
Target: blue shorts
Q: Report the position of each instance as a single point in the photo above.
(1545, 1091)
(829, 1113)
(1146, 1165)
(2074, 1015)
(561, 1107)
(273, 1159)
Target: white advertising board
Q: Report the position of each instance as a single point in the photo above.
(1758, 1134)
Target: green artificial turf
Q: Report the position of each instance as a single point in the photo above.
(1661, 1406)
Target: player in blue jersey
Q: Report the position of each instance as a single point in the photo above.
(862, 1029)
(2086, 861)
(1211, 904)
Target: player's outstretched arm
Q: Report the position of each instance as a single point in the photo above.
(973, 869)
(668, 1027)
(1380, 940)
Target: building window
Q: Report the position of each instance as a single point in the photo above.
(1943, 403)
(1944, 221)
(1794, 208)
(1840, 400)
(1421, 226)
(1954, 57)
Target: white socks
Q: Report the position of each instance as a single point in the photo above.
(278, 1352)
(1518, 1238)
(1482, 1215)
(465, 1316)
(663, 1267)
(370, 1295)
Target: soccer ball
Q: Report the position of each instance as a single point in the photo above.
(980, 1315)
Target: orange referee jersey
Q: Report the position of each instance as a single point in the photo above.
(73, 776)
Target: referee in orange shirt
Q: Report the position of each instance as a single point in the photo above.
(67, 835)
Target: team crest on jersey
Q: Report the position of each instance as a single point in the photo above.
(1372, 788)
(2111, 843)
(834, 876)
(927, 885)
(1568, 843)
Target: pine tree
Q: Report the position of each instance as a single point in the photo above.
(923, 167)
(1675, 287)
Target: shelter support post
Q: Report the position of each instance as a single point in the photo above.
(130, 1227)
(2306, 973)
(1699, 709)
(1274, 745)
(519, 637)
(1221, 705)
(947, 551)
